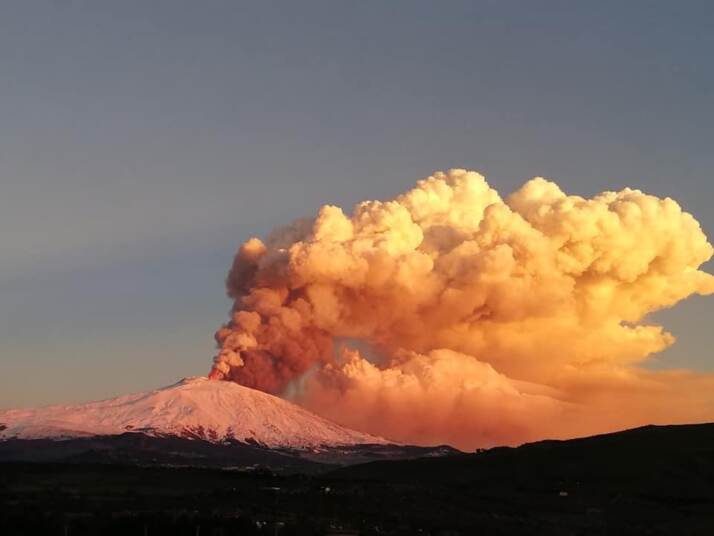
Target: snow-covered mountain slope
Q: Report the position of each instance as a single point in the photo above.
(193, 408)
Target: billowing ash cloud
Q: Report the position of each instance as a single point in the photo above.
(481, 320)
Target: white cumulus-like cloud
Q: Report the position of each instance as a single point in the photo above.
(487, 320)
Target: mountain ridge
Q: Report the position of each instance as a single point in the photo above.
(193, 408)
(629, 455)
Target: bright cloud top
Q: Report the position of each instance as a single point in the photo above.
(485, 320)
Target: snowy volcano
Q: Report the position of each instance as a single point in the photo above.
(194, 408)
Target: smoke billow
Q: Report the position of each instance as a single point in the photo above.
(452, 315)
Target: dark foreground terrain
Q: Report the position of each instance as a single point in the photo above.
(651, 480)
(140, 449)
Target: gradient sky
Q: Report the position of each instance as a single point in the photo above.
(142, 142)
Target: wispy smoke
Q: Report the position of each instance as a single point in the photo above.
(487, 320)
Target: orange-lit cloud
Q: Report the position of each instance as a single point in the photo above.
(486, 320)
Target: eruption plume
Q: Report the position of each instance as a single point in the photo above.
(451, 315)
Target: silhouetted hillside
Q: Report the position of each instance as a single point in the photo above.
(660, 456)
(656, 480)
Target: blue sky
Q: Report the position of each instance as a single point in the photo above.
(141, 142)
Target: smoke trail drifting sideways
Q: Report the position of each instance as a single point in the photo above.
(493, 320)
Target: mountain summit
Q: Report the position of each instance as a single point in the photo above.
(194, 408)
